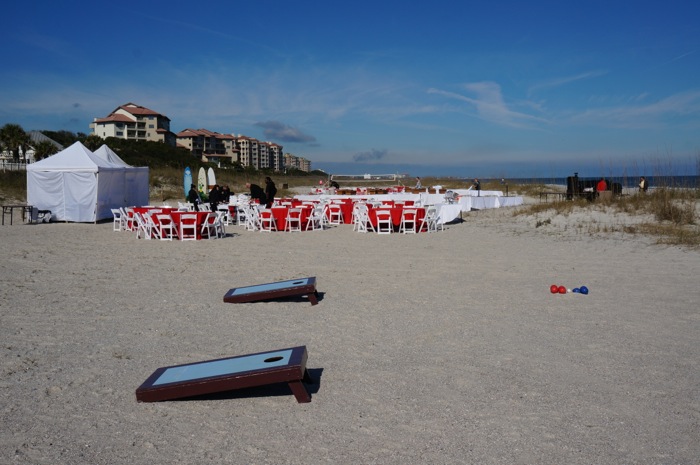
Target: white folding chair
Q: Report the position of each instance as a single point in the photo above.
(430, 220)
(224, 209)
(188, 227)
(168, 227)
(361, 221)
(143, 226)
(408, 221)
(209, 226)
(293, 220)
(316, 219)
(384, 223)
(266, 220)
(129, 219)
(220, 223)
(251, 218)
(118, 220)
(155, 231)
(335, 214)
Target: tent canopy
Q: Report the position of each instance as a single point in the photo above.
(78, 185)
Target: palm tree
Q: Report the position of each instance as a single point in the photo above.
(14, 137)
(93, 142)
(44, 149)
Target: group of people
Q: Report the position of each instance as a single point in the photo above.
(264, 196)
(222, 195)
(217, 194)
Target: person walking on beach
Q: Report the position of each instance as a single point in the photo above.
(270, 191)
(477, 186)
(418, 183)
(643, 185)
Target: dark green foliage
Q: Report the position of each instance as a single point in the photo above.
(152, 154)
(65, 138)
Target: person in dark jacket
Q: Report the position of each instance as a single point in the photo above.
(257, 192)
(193, 197)
(214, 197)
(225, 194)
(270, 191)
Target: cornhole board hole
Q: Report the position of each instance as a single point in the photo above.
(225, 374)
(293, 287)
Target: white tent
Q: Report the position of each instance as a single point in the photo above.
(136, 178)
(78, 185)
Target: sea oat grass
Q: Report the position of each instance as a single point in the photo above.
(675, 212)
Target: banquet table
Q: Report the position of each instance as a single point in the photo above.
(396, 212)
(177, 219)
(280, 215)
(346, 206)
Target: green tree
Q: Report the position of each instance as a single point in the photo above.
(93, 142)
(44, 149)
(13, 137)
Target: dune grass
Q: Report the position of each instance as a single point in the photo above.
(674, 212)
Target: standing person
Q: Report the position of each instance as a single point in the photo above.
(257, 192)
(477, 186)
(602, 185)
(643, 185)
(193, 197)
(270, 191)
(418, 183)
(214, 197)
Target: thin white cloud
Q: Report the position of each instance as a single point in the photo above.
(490, 106)
(557, 82)
(681, 104)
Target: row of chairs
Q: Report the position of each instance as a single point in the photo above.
(255, 219)
(166, 228)
(409, 220)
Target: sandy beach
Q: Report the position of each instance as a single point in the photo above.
(442, 348)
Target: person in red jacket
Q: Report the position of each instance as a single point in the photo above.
(602, 185)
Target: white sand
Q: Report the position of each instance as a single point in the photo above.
(431, 348)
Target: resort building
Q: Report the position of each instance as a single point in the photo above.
(134, 122)
(299, 163)
(209, 146)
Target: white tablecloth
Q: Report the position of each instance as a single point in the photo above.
(448, 212)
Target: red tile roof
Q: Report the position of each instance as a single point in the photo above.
(115, 118)
(134, 109)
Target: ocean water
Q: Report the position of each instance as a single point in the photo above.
(625, 181)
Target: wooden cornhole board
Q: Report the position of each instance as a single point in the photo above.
(293, 287)
(225, 374)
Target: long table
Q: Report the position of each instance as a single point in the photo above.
(9, 210)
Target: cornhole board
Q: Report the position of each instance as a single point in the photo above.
(225, 374)
(293, 287)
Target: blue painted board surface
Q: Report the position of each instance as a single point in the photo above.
(224, 367)
(271, 286)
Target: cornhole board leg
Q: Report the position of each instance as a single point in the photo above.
(244, 371)
(292, 287)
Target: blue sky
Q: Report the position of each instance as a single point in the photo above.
(504, 89)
